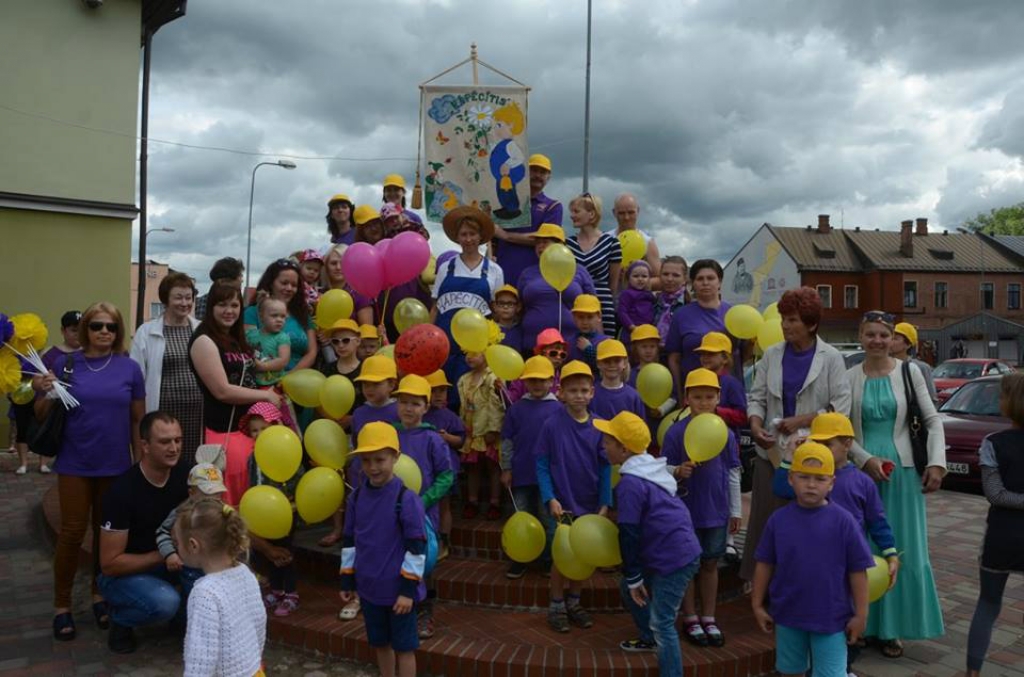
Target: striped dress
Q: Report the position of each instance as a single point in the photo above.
(604, 253)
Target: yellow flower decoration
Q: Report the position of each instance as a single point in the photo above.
(29, 330)
(494, 333)
(10, 372)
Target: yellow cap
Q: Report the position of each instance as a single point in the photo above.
(610, 348)
(538, 160)
(344, 325)
(394, 180)
(576, 368)
(550, 231)
(629, 429)
(644, 332)
(368, 331)
(414, 385)
(812, 450)
(376, 436)
(702, 378)
(507, 289)
(538, 366)
(830, 425)
(363, 214)
(586, 303)
(377, 368)
(908, 331)
(714, 342)
(339, 197)
(438, 380)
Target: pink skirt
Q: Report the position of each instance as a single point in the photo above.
(237, 450)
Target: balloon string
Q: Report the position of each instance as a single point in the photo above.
(384, 310)
(560, 312)
(513, 497)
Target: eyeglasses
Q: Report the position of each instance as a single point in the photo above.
(556, 353)
(343, 341)
(99, 326)
(880, 316)
(505, 304)
(286, 263)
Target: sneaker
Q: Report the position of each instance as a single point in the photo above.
(21, 470)
(493, 512)
(470, 511)
(732, 555)
(288, 605)
(121, 639)
(637, 646)
(425, 625)
(515, 571)
(695, 634)
(558, 619)
(45, 469)
(715, 636)
(579, 616)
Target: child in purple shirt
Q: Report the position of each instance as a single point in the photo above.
(551, 345)
(611, 394)
(377, 379)
(711, 490)
(660, 553)
(574, 479)
(812, 560)
(636, 301)
(586, 312)
(452, 430)
(383, 554)
(505, 309)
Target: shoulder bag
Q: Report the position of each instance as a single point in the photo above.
(915, 421)
(48, 434)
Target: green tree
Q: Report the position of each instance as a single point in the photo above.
(1001, 221)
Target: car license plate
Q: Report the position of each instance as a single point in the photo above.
(959, 468)
(745, 440)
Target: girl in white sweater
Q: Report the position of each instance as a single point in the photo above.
(227, 622)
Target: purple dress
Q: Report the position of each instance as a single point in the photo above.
(542, 305)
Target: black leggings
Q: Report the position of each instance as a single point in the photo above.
(990, 600)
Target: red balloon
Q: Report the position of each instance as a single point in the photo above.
(421, 350)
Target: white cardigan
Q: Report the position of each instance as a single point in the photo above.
(901, 429)
(148, 350)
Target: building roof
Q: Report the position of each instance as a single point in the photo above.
(816, 251)
(1012, 243)
(940, 252)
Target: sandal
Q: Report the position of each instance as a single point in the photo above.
(64, 627)
(695, 634)
(101, 612)
(329, 540)
(715, 636)
(892, 648)
(349, 611)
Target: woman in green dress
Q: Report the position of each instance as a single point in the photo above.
(879, 414)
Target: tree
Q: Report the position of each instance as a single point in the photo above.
(1001, 221)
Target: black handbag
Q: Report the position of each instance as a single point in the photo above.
(46, 437)
(915, 421)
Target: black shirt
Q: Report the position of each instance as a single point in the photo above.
(218, 416)
(134, 505)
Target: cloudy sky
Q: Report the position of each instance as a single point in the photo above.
(719, 114)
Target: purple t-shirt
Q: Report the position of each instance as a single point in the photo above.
(858, 494)
(608, 402)
(367, 413)
(813, 550)
(706, 491)
(542, 304)
(98, 432)
(447, 420)
(636, 307)
(667, 541)
(732, 394)
(515, 258)
(522, 426)
(575, 459)
(380, 535)
(595, 338)
(688, 326)
(430, 452)
(50, 358)
(795, 366)
(513, 337)
(348, 237)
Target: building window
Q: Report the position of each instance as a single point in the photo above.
(988, 293)
(1013, 296)
(155, 309)
(850, 299)
(825, 292)
(910, 294)
(941, 295)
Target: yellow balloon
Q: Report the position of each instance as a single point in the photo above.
(771, 312)
(668, 420)
(326, 443)
(471, 331)
(337, 395)
(654, 383)
(334, 305)
(408, 313)
(266, 511)
(633, 247)
(303, 386)
(705, 437)
(616, 475)
(558, 266)
(878, 579)
(387, 351)
(523, 537)
(407, 471)
(770, 333)
(568, 563)
(429, 273)
(743, 321)
(278, 452)
(319, 495)
(23, 394)
(595, 540)
(505, 362)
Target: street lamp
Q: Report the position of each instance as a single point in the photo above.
(159, 230)
(140, 301)
(984, 321)
(287, 164)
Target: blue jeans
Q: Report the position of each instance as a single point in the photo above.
(149, 598)
(527, 497)
(656, 621)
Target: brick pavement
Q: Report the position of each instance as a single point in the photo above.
(956, 524)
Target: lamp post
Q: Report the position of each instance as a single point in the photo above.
(140, 301)
(287, 164)
(984, 321)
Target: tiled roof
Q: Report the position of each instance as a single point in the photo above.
(812, 250)
(880, 250)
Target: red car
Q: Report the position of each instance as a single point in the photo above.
(967, 417)
(952, 374)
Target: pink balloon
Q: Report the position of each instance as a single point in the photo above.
(363, 266)
(408, 255)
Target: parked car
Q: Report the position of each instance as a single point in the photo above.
(952, 374)
(970, 414)
(852, 357)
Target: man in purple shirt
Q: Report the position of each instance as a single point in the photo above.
(515, 249)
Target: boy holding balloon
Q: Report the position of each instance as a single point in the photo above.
(707, 464)
(660, 552)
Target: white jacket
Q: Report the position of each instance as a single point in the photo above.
(148, 350)
(901, 429)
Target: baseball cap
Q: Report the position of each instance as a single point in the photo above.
(376, 436)
(538, 160)
(808, 451)
(414, 385)
(629, 429)
(206, 478)
(714, 342)
(644, 332)
(830, 425)
(538, 366)
(576, 368)
(377, 368)
(586, 303)
(438, 380)
(610, 348)
(70, 319)
(907, 331)
(702, 378)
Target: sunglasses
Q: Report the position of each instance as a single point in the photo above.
(880, 316)
(555, 352)
(343, 341)
(99, 326)
(287, 263)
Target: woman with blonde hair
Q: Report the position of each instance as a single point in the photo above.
(598, 252)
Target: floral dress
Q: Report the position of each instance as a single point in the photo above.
(483, 411)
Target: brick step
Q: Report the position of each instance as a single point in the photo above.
(475, 640)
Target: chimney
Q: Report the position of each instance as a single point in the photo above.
(823, 226)
(907, 239)
(922, 227)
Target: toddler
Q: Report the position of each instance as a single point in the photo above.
(636, 302)
(482, 413)
(272, 345)
(311, 264)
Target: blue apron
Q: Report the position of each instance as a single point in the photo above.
(456, 293)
